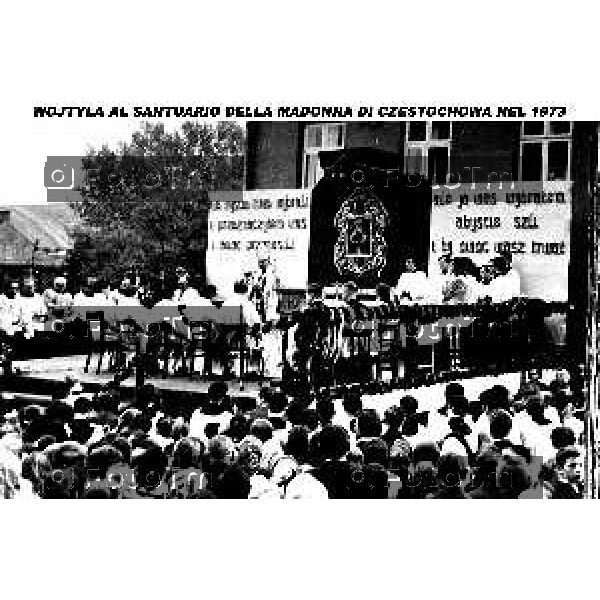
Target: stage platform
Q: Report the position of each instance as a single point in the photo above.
(38, 378)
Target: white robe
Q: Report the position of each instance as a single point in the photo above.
(415, 284)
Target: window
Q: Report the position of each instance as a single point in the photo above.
(428, 149)
(317, 138)
(545, 151)
(4, 216)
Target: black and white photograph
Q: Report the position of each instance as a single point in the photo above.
(259, 309)
(344, 254)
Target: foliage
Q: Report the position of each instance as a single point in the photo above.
(144, 207)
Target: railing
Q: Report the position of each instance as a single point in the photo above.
(403, 344)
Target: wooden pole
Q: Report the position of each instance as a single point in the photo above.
(592, 413)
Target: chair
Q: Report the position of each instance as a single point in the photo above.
(388, 346)
(173, 346)
(101, 340)
(360, 337)
(199, 346)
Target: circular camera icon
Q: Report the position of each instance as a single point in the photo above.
(59, 174)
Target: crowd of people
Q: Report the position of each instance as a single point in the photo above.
(303, 438)
(293, 444)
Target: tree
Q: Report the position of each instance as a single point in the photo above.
(145, 205)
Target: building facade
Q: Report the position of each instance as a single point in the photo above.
(34, 239)
(555, 163)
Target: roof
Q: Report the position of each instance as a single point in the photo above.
(50, 224)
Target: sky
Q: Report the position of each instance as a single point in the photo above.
(24, 158)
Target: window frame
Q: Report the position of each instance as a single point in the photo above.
(545, 139)
(314, 150)
(425, 145)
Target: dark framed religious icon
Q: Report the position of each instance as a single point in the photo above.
(359, 234)
(361, 248)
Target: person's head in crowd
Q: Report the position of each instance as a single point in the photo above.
(476, 409)
(350, 290)
(45, 441)
(182, 276)
(187, 454)
(240, 287)
(310, 419)
(249, 454)
(29, 414)
(123, 446)
(375, 481)
(101, 459)
(368, 424)
(82, 405)
(459, 405)
(445, 263)
(148, 396)
(261, 429)
(294, 412)
(332, 442)
(562, 437)
(452, 470)
(233, 483)
(325, 411)
(180, 430)
(13, 290)
(410, 264)
(60, 284)
(81, 431)
(28, 289)
(500, 265)
(500, 424)
(486, 274)
(513, 478)
(60, 411)
(485, 472)
(66, 477)
(221, 449)
(135, 420)
(210, 291)
(400, 456)
(569, 465)
(424, 465)
(384, 292)
(245, 404)
(352, 403)
(410, 426)
(314, 293)
(211, 430)
(536, 408)
(458, 427)
(465, 267)
(296, 445)
(409, 405)
(496, 397)
(277, 401)
(507, 256)
(375, 451)
(452, 390)
(393, 417)
(164, 427)
(217, 398)
(150, 466)
(239, 427)
(126, 287)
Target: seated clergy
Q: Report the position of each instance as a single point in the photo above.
(184, 293)
(412, 284)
